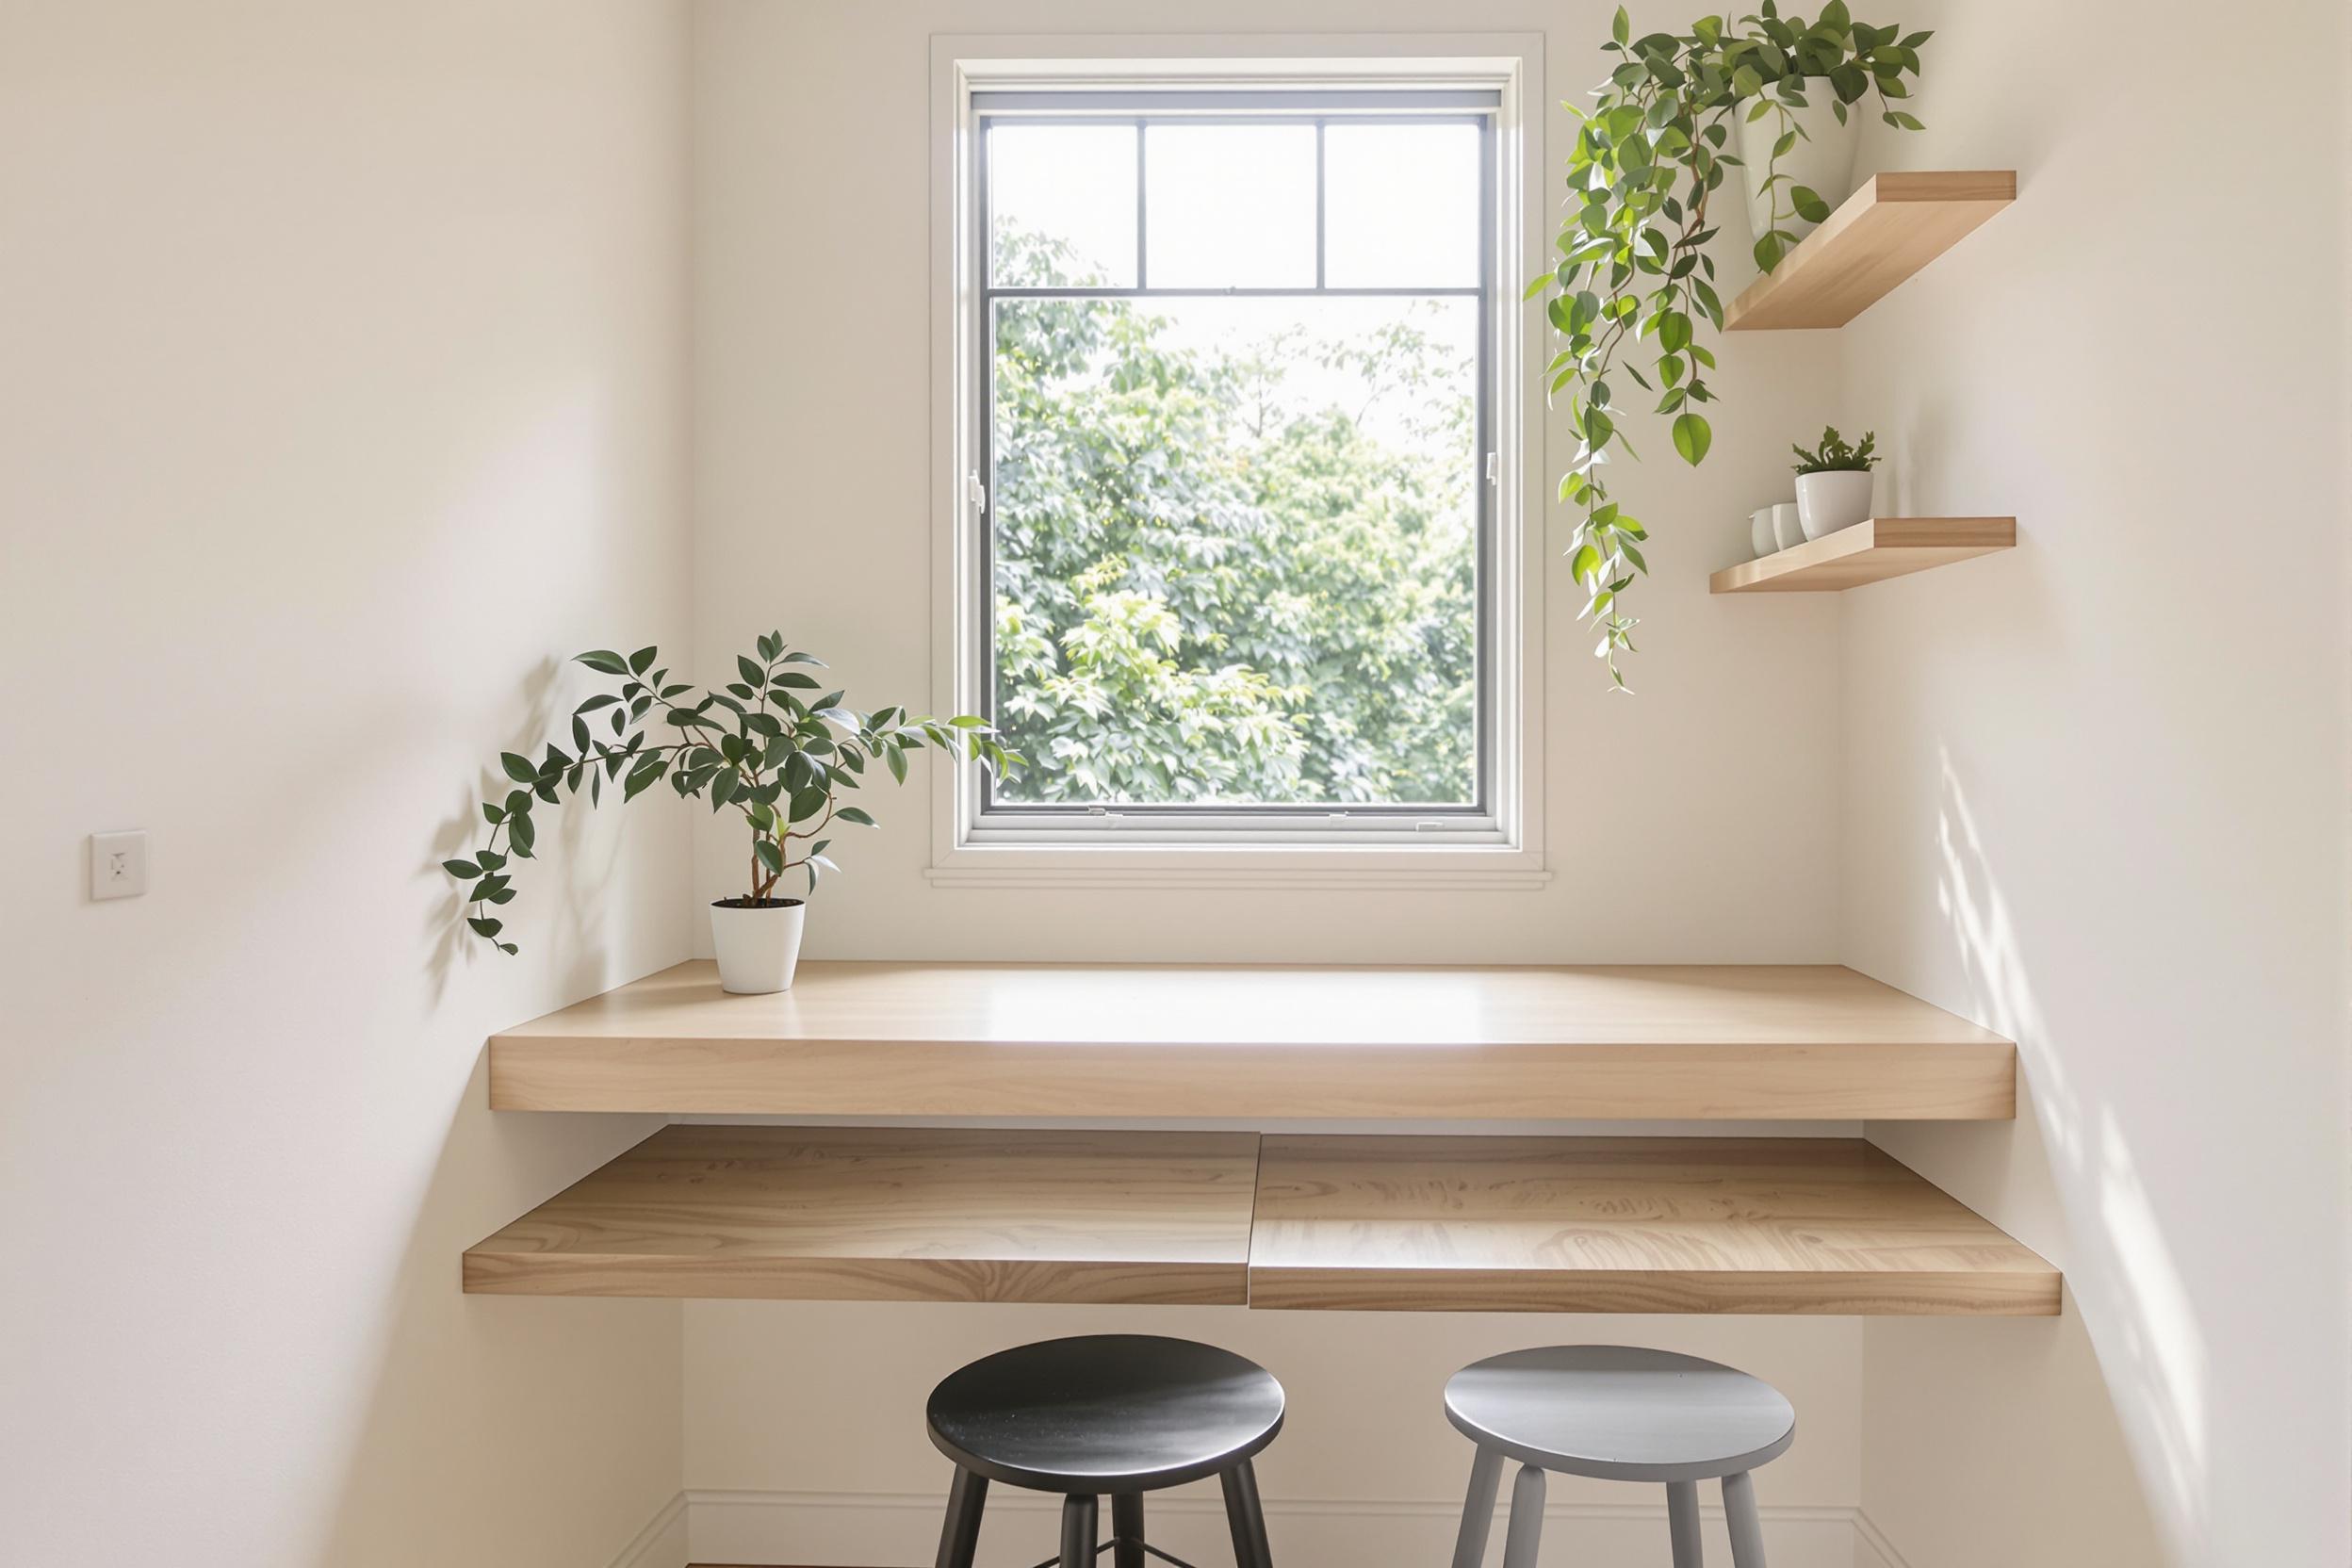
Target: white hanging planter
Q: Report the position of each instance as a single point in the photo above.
(1829, 501)
(758, 944)
(1822, 161)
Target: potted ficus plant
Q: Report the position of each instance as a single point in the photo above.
(780, 758)
(1634, 279)
(1833, 482)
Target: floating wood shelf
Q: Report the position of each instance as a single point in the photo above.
(1889, 228)
(868, 1215)
(1454, 1224)
(1743, 1043)
(1631, 1225)
(1869, 551)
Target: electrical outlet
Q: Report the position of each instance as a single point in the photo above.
(117, 864)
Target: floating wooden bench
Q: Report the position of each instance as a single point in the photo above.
(1807, 1042)
(1629, 1225)
(870, 1215)
(1632, 1225)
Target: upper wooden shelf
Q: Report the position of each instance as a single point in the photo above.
(874, 1215)
(1889, 228)
(1666, 1042)
(1869, 551)
(1637, 1225)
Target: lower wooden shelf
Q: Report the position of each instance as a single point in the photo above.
(878, 1215)
(1414, 1223)
(1626, 1225)
(1869, 551)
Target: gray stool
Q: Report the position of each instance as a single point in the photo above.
(1617, 1414)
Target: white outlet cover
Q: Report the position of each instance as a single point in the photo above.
(117, 864)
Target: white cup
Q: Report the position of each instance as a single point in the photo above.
(1760, 537)
(1787, 530)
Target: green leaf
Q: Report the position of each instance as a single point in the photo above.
(771, 854)
(462, 867)
(641, 660)
(518, 768)
(642, 777)
(521, 835)
(896, 758)
(1691, 438)
(485, 925)
(606, 660)
(804, 658)
(754, 676)
(1622, 28)
(1809, 205)
(851, 813)
(794, 679)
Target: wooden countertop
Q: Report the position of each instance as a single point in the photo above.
(1457, 1224)
(1655, 1042)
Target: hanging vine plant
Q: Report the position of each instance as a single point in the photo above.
(1635, 279)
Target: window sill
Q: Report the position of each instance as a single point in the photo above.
(1501, 869)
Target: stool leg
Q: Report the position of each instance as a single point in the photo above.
(1526, 1519)
(1747, 1535)
(1127, 1530)
(1477, 1510)
(1078, 1516)
(1246, 1517)
(960, 1536)
(1682, 1519)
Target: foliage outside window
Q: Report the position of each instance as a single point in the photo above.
(1234, 512)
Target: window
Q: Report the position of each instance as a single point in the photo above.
(1235, 565)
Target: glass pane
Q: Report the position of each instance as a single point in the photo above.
(1062, 204)
(1230, 206)
(1401, 206)
(1236, 550)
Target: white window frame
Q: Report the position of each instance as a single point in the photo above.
(1504, 847)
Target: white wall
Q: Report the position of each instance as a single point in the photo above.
(2094, 789)
(812, 355)
(812, 490)
(342, 380)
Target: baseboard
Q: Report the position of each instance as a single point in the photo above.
(1872, 1549)
(662, 1543)
(895, 1529)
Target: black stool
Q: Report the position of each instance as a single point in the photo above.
(1120, 1414)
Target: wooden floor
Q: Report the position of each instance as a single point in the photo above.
(1254, 1043)
(1386, 1223)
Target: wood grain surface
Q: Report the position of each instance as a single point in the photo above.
(1815, 1042)
(1890, 227)
(1632, 1225)
(857, 1213)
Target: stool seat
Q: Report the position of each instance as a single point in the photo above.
(1620, 1412)
(1106, 1414)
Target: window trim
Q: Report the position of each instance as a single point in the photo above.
(1291, 847)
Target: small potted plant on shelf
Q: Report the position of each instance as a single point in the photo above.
(779, 758)
(1834, 483)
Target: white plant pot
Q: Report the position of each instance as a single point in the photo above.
(1760, 538)
(1822, 161)
(1827, 503)
(757, 948)
(1787, 534)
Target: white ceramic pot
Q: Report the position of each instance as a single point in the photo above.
(759, 947)
(1787, 534)
(1822, 161)
(1827, 503)
(1760, 538)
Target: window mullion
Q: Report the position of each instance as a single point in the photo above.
(1320, 206)
(1143, 234)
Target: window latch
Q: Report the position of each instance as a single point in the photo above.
(975, 492)
(1494, 468)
